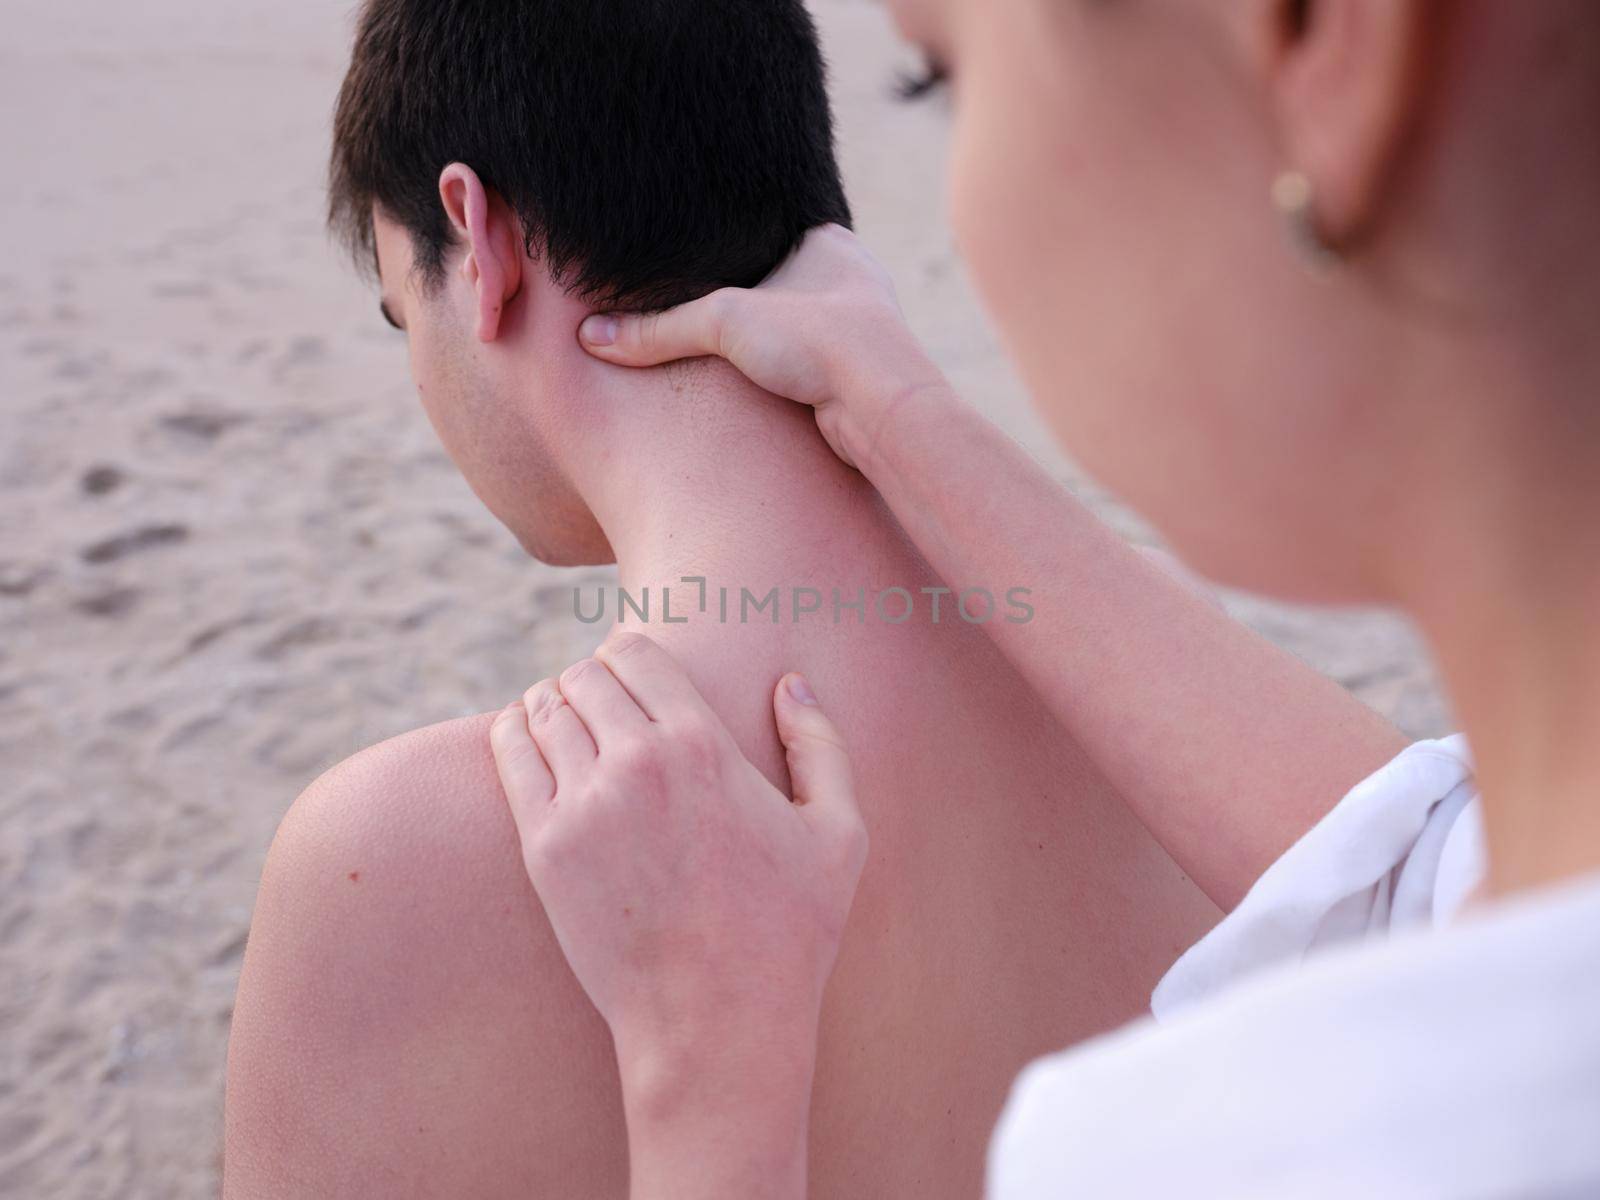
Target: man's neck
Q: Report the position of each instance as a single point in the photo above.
(703, 472)
(694, 473)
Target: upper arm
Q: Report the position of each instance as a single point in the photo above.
(406, 1023)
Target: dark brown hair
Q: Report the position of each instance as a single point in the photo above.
(653, 150)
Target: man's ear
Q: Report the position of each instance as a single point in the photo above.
(1346, 82)
(493, 265)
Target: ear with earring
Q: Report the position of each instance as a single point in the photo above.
(1294, 196)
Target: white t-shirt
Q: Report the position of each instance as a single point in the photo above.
(1341, 1033)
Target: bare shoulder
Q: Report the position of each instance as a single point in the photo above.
(405, 1017)
(418, 785)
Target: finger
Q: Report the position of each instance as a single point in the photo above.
(528, 783)
(819, 765)
(562, 739)
(602, 703)
(653, 678)
(645, 339)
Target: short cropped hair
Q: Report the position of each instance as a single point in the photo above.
(653, 150)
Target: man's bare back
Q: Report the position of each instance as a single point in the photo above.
(408, 1026)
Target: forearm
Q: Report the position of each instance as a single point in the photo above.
(1226, 747)
(708, 1126)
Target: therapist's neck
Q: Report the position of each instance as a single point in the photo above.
(1506, 585)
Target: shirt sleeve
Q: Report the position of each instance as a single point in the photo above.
(1404, 847)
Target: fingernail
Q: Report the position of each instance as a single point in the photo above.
(801, 690)
(598, 331)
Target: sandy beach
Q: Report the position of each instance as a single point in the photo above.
(232, 553)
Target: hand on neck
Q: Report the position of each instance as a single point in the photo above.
(691, 470)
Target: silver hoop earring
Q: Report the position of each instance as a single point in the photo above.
(1295, 199)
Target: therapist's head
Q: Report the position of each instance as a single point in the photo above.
(509, 165)
(1113, 173)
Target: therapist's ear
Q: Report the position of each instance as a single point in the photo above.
(492, 267)
(1346, 79)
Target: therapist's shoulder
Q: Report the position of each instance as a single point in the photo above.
(1375, 1069)
(1211, 1106)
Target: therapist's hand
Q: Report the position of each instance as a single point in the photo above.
(700, 908)
(824, 329)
